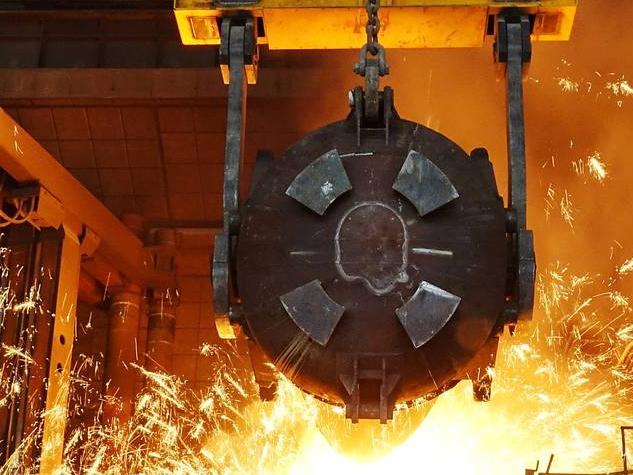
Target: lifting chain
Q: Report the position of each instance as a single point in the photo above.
(373, 25)
(372, 107)
(372, 47)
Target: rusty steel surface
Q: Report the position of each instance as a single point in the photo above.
(371, 250)
(416, 176)
(313, 311)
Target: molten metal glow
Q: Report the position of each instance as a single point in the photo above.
(559, 388)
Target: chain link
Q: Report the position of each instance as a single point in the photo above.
(373, 26)
(372, 47)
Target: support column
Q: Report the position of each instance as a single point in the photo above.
(124, 315)
(61, 350)
(122, 350)
(161, 326)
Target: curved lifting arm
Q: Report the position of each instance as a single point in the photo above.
(513, 48)
(238, 61)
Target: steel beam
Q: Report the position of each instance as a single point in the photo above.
(26, 160)
(60, 362)
(87, 226)
(335, 24)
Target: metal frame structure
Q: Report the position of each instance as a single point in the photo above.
(91, 241)
(67, 201)
(35, 255)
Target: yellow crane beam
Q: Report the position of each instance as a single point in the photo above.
(340, 24)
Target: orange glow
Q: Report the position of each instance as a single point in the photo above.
(563, 384)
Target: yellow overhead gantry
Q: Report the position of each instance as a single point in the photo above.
(340, 24)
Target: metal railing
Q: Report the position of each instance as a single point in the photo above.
(625, 464)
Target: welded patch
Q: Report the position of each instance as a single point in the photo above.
(319, 184)
(426, 312)
(312, 309)
(424, 184)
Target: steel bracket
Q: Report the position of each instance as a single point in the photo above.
(238, 61)
(513, 49)
(362, 376)
(231, 29)
(372, 109)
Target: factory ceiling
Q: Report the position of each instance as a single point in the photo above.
(134, 115)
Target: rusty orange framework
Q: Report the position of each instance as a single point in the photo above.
(339, 24)
(94, 241)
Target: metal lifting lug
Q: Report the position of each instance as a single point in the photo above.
(502, 43)
(372, 109)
